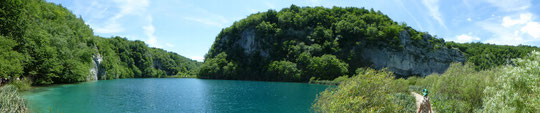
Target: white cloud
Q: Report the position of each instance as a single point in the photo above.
(169, 45)
(466, 38)
(525, 24)
(433, 8)
(198, 58)
(149, 32)
(206, 21)
(209, 18)
(270, 5)
(126, 7)
(469, 19)
(523, 18)
(512, 29)
(314, 2)
(404, 8)
(111, 27)
(532, 28)
(132, 6)
(510, 5)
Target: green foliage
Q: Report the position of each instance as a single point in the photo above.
(307, 36)
(326, 67)
(510, 88)
(11, 62)
(486, 56)
(11, 101)
(22, 85)
(459, 89)
(217, 67)
(284, 71)
(517, 89)
(371, 91)
(47, 43)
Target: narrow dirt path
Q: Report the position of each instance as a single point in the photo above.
(419, 99)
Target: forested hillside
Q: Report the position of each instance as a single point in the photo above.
(46, 43)
(487, 56)
(299, 43)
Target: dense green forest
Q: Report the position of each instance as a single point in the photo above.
(298, 43)
(487, 56)
(46, 43)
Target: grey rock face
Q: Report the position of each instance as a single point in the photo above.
(248, 43)
(417, 57)
(412, 60)
(97, 70)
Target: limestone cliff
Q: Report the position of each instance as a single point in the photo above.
(412, 60)
(298, 43)
(97, 70)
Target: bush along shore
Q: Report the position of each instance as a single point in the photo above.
(462, 89)
(11, 101)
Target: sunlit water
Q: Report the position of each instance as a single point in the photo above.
(174, 95)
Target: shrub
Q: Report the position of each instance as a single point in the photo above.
(284, 71)
(366, 92)
(518, 89)
(459, 89)
(10, 101)
(22, 85)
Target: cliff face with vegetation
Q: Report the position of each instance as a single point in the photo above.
(48, 44)
(411, 59)
(297, 43)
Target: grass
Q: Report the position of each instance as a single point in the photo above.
(335, 82)
(11, 101)
(22, 85)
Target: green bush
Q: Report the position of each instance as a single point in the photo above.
(518, 89)
(22, 85)
(284, 71)
(459, 89)
(371, 91)
(10, 101)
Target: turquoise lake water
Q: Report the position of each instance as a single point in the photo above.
(173, 95)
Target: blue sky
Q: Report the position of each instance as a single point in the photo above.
(189, 27)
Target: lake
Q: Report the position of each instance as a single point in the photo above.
(172, 95)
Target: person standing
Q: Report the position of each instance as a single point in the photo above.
(425, 106)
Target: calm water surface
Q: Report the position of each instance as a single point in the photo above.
(174, 95)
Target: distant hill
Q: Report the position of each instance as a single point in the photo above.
(47, 43)
(299, 43)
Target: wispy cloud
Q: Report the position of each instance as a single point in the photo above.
(532, 28)
(206, 21)
(149, 30)
(512, 29)
(433, 8)
(169, 45)
(314, 2)
(402, 6)
(510, 5)
(466, 38)
(126, 7)
(209, 18)
(270, 5)
(198, 58)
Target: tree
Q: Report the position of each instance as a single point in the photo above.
(327, 67)
(284, 71)
(11, 62)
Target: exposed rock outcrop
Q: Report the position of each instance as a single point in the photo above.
(411, 60)
(97, 70)
(249, 44)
